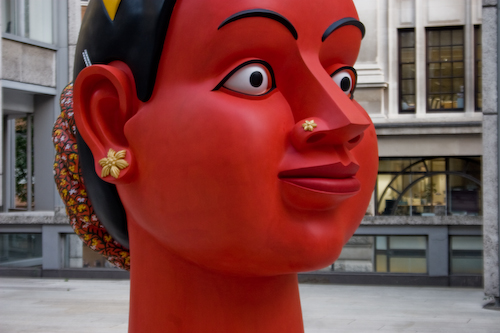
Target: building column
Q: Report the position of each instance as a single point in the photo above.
(490, 149)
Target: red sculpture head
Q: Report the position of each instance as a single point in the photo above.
(248, 154)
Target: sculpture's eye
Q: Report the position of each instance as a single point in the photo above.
(345, 78)
(251, 78)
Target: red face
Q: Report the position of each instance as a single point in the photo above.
(252, 157)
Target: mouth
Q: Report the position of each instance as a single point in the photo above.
(332, 178)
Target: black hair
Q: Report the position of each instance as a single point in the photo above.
(136, 37)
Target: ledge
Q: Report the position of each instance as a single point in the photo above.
(422, 220)
(391, 279)
(34, 217)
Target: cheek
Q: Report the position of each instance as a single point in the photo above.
(211, 164)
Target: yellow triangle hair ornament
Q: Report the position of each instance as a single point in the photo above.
(111, 7)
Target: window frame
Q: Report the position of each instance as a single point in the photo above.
(20, 20)
(427, 71)
(390, 253)
(463, 254)
(477, 67)
(400, 72)
(421, 175)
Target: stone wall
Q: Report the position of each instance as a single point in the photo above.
(490, 147)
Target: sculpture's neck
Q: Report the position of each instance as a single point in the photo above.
(169, 294)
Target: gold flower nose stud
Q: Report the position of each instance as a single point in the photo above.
(309, 125)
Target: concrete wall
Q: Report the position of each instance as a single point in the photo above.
(28, 63)
(490, 147)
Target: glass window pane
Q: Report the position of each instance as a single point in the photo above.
(407, 39)
(438, 164)
(386, 196)
(434, 102)
(408, 265)
(9, 17)
(445, 37)
(466, 255)
(447, 101)
(457, 37)
(458, 69)
(39, 20)
(446, 69)
(20, 250)
(466, 265)
(458, 85)
(408, 87)
(466, 243)
(435, 86)
(433, 38)
(419, 166)
(408, 71)
(408, 242)
(381, 243)
(434, 54)
(408, 102)
(458, 53)
(445, 53)
(446, 85)
(381, 263)
(465, 196)
(434, 70)
(393, 165)
(408, 55)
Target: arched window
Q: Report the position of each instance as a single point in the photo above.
(429, 186)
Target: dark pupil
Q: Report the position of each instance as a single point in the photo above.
(345, 84)
(256, 79)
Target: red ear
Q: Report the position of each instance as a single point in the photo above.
(104, 100)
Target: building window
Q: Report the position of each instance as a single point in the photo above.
(383, 254)
(429, 186)
(466, 255)
(78, 255)
(445, 69)
(401, 254)
(478, 88)
(407, 71)
(20, 250)
(28, 18)
(19, 172)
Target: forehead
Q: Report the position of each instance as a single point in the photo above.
(198, 49)
(307, 17)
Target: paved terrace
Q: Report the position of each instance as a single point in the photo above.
(57, 305)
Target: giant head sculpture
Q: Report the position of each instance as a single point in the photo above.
(222, 152)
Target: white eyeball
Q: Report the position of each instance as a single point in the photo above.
(345, 81)
(252, 79)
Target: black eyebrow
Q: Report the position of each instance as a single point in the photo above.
(342, 23)
(258, 12)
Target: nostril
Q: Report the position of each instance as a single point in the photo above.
(315, 137)
(355, 140)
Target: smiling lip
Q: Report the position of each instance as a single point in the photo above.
(331, 178)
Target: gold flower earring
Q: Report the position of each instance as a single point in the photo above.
(112, 164)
